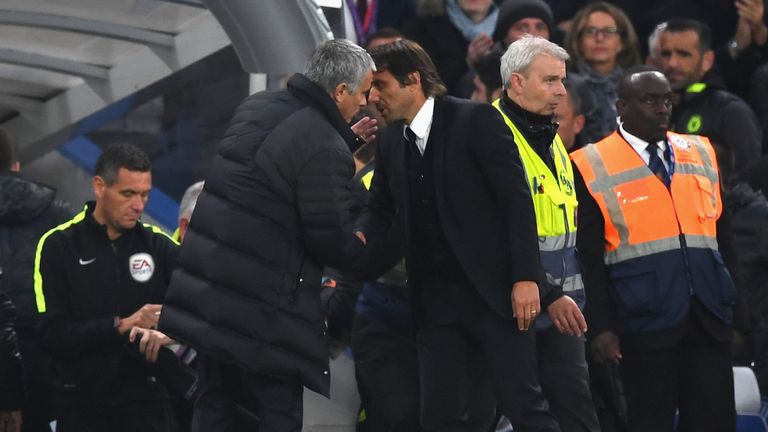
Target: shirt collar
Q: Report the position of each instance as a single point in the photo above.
(423, 119)
(639, 144)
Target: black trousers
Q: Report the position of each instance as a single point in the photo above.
(234, 400)
(694, 376)
(564, 376)
(458, 334)
(155, 416)
(387, 371)
(38, 375)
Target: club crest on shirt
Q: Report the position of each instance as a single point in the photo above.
(679, 142)
(141, 266)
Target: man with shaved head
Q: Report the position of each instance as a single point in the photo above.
(654, 244)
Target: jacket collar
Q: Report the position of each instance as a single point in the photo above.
(312, 94)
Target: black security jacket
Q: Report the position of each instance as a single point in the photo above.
(83, 280)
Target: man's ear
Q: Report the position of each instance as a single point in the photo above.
(621, 106)
(16, 166)
(578, 123)
(338, 92)
(707, 60)
(98, 186)
(516, 82)
(414, 78)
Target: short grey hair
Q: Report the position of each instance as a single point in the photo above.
(654, 44)
(189, 200)
(338, 61)
(521, 53)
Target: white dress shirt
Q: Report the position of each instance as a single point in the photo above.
(640, 146)
(422, 124)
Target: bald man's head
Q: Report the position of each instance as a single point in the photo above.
(645, 103)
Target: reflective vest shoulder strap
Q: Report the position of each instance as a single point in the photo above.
(39, 295)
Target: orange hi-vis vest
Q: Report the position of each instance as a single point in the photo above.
(660, 244)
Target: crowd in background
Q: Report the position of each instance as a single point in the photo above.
(712, 52)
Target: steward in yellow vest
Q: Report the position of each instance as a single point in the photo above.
(554, 201)
(532, 92)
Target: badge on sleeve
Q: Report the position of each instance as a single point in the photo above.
(141, 266)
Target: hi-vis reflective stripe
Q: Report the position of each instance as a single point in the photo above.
(556, 243)
(605, 184)
(157, 230)
(39, 295)
(367, 178)
(628, 252)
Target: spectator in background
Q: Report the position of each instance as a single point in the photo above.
(654, 46)
(518, 18)
(487, 81)
(602, 44)
(702, 105)
(447, 32)
(27, 210)
(11, 371)
(569, 115)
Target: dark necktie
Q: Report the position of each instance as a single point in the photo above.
(410, 138)
(656, 164)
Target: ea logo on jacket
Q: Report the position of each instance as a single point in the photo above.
(141, 266)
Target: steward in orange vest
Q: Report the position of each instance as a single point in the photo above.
(660, 244)
(659, 295)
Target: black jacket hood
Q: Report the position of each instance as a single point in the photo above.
(22, 199)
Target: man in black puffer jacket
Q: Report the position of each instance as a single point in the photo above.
(27, 211)
(273, 211)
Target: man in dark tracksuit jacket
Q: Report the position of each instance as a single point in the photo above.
(96, 278)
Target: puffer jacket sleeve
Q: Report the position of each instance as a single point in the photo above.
(11, 389)
(323, 197)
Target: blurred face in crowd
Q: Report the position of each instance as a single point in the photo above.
(646, 110)
(120, 205)
(481, 92)
(397, 101)
(476, 10)
(600, 41)
(681, 59)
(526, 26)
(373, 43)
(350, 102)
(570, 122)
(540, 88)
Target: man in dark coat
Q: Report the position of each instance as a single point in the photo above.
(27, 210)
(273, 211)
(451, 170)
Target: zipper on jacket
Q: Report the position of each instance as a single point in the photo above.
(298, 281)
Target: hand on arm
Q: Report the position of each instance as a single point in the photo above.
(150, 343)
(147, 317)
